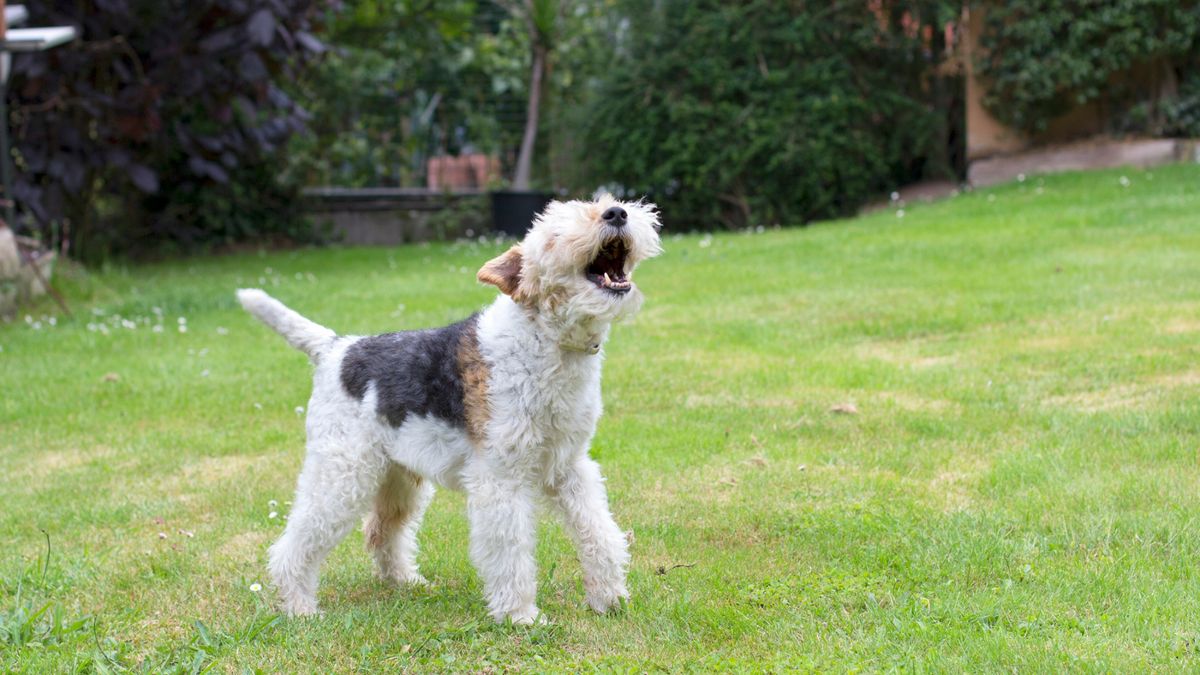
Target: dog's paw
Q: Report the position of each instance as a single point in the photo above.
(524, 617)
(300, 608)
(604, 600)
(407, 579)
(413, 579)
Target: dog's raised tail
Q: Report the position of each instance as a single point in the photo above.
(307, 336)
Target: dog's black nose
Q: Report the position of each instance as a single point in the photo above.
(615, 216)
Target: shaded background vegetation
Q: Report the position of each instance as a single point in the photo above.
(1139, 58)
(756, 112)
(171, 126)
(164, 125)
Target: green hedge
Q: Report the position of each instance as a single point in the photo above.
(1138, 58)
(763, 112)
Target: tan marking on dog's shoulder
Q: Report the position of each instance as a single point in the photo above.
(475, 372)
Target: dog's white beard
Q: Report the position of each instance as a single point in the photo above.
(591, 307)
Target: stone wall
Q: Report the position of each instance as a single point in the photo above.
(391, 216)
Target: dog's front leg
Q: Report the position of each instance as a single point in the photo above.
(501, 511)
(579, 495)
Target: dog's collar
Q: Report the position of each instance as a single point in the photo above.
(590, 349)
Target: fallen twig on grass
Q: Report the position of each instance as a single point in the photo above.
(661, 570)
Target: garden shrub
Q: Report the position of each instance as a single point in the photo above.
(403, 81)
(161, 125)
(1042, 58)
(765, 112)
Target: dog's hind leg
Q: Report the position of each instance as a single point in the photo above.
(331, 494)
(391, 527)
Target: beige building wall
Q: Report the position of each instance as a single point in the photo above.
(989, 137)
(986, 136)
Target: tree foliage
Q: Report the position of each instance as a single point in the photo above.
(404, 79)
(768, 112)
(162, 123)
(1044, 57)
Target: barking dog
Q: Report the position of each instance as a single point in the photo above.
(501, 405)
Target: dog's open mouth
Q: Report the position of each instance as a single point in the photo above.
(607, 271)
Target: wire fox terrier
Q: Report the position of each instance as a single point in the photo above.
(502, 405)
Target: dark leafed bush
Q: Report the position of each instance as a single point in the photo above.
(1139, 58)
(162, 124)
(769, 112)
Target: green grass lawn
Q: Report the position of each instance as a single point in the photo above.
(1018, 488)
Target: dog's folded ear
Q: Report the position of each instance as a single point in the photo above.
(503, 271)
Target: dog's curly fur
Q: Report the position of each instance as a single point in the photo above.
(502, 405)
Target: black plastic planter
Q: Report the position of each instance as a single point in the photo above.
(513, 211)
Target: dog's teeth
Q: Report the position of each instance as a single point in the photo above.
(607, 280)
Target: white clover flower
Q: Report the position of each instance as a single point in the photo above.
(255, 587)
(258, 406)
(182, 328)
(899, 213)
(221, 330)
(299, 410)
(272, 503)
(157, 328)
(204, 373)
(706, 241)
(1020, 178)
(273, 515)
(895, 196)
(1124, 181)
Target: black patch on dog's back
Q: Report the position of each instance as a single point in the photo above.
(414, 372)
